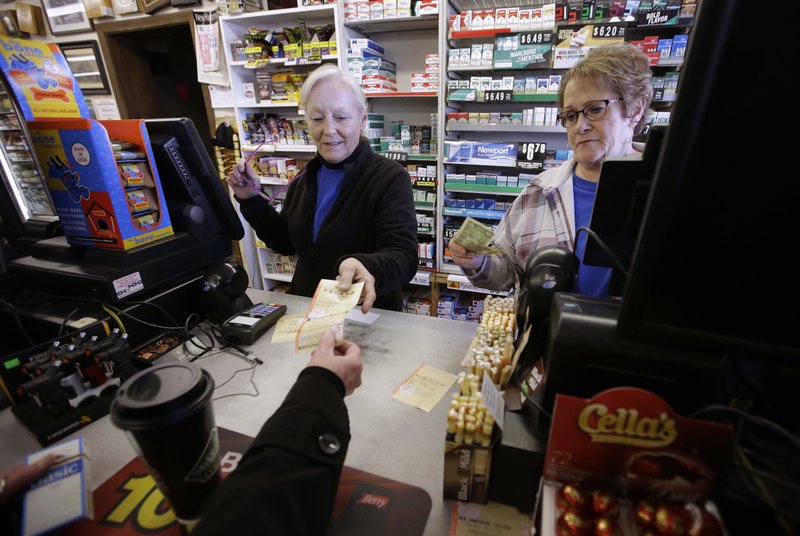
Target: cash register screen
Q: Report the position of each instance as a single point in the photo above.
(189, 177)
(714, 263)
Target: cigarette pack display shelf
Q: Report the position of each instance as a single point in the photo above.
(512, 191)
(478, 97)
(471, 100)
(403, 94)
(286, 61)
(477, 164)
(421, 278)
(460, 100)
(402, 24)
(418, 157)
(473, 213)
(506, 128)
(409, 44)
(460, 282)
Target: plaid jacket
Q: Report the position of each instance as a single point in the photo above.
(542, 215)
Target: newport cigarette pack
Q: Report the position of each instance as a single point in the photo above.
(63, 494)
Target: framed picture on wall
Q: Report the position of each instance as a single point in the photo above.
(9, 26)
(151, 6)
(66, 16)
(125, 7)
(86, 63)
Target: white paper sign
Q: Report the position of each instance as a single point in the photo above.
(221, 97)
(493, 400)
(105, 108)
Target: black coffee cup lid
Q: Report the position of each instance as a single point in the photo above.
(160, 395)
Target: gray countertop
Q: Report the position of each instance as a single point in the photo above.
(389, 438)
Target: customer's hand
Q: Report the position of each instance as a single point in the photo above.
(244, 180)
(343, 360)
(351, 271)
(464, 257)
(18, 477)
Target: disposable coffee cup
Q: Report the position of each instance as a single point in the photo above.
(166, 413)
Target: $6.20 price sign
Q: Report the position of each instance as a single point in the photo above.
(608, 30)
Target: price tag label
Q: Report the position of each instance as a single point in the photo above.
(534, 38)
(609, 30)
(531, 151)
(397, 155)
(128, 284)
(497, 95)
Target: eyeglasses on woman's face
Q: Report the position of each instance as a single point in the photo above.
(593, 111)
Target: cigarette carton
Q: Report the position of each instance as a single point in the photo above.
(367, 43)
(63, 494)
(467, 469)
(678, 45)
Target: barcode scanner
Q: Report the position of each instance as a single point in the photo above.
(222, 291)
(549, 270)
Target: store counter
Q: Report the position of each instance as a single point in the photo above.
(389, 438)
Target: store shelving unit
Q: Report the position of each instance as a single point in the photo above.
(406, 41)
(411, 107)
(260, 261)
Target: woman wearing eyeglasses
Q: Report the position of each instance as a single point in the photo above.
(603, 100)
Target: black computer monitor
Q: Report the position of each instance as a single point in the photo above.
(622, 193)
(714, 262)
(190, 179)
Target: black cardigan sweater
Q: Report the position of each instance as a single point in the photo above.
(372, 219)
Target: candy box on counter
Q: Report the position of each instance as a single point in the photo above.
(625, 461)
(103, 181)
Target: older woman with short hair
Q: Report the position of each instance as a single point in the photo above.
(603, 101)
(350, 215)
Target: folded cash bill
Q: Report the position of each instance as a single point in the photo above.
(475, 236)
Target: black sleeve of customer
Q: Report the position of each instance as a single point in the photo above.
(287, 481)
(270, 226)
(394, 261)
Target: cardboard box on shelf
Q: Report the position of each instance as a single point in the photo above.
(95, 200)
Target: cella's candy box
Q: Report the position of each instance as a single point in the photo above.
(63, 494)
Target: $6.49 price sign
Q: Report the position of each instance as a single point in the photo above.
(497, 95)
(534, 38)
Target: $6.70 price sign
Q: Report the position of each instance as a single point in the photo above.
(531, 150)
